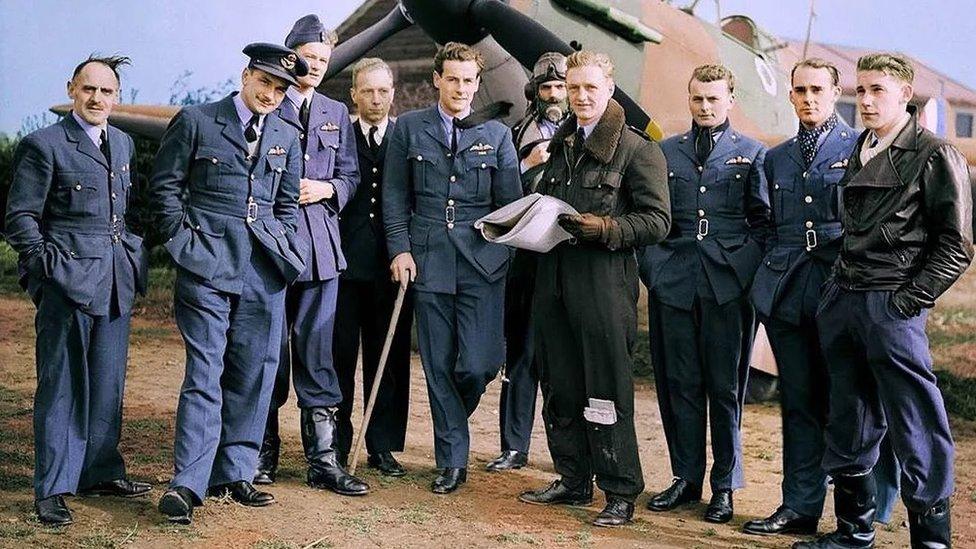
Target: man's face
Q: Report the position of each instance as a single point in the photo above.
(589, 92)
(456, 85)
(262, 92)
(317, 55)
(95, 92)
(372, 92)
(813, 95)
(881, 100)
(552, 92)
(709, 102)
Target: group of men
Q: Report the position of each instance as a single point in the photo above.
(287, 222)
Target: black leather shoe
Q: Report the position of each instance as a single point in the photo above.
(558, 494)
(931, 529)
(267, 468)
(854, 506)
(53, 511)
(177, 505)
(324, 470)
(386, 464)
(122, 487)
(450, 479)
(679, 493)
(783, 521)
(510, 459)
(617, 513)
(719, 509)
(242, 492)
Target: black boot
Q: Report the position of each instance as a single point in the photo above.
(270, 447)
(324, 471)
(854, 505)
(931, 529)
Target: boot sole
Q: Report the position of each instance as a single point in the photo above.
(336, 490)
(113, 494)
(673, 507)
(785, 531)
(175, 509)
(571, 503)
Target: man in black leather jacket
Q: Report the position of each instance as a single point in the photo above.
(908, 237)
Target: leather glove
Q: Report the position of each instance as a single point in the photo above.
(906, 305)
(583, 227)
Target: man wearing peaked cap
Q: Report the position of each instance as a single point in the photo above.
(329, 174)
(225, 184)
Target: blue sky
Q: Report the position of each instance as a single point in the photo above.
(42, 40)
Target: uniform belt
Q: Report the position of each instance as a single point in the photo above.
(250, 210)
(447, 211)
(113, 229)
(808, 237)
(710, 226)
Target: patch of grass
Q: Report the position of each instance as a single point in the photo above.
(181, 531)
(363, 522)
(100, 538)
(274, 544)
(709, 532)
(959, 394)
(16, 531)
(416, 514)
(516, 538)
(584, 538)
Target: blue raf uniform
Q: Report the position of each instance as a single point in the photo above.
(81, 266)
(701, 321)
(431, 198)
(233, 237)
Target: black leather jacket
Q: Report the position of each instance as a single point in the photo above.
(907, 220)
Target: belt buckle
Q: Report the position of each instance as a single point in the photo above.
(449, 214)
(702, 227)
(811, 236)
(252, 210)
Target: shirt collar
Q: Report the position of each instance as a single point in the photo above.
(447, 119)
(93, 132)
(380, 128)
(245, 113)
(587, 129)
(297, 98)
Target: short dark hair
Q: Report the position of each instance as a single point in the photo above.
(112, 61)
(817, 63)
(456, 51)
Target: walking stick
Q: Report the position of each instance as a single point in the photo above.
(375, 389)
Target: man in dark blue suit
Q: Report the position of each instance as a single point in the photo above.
(440, 175)
(81, 265)
(366, 294)
(329, 177)
(701, 321)
(804, 172)
(226, 185)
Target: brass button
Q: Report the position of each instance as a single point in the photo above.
(699, 237)
(375, 170)
(701, 213)
(804, 175)
(808, 199)
(670, 174)
(776, 186)
(279, 170)
(374, 185)
(450, 225)
(448, 155)
(738, 176)
(700, 168)
(702, 189)
(419, 157)
(453, 178)
(113, 196)
(809, 224)
(450, 202)
(111, 175)
(78, 187)
(307, 157)
(371, 216)
(372, 200)
(214, 160)
(483, 165)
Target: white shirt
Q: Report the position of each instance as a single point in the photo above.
(380, 128)
(868, 152)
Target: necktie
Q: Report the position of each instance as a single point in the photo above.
(578, 144)
(703, 145)
(251, 132)
(303, 113)
(104, 147)
(371, 139)
(810, 138)
(454, 135)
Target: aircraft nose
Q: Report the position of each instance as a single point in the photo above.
(445, 20)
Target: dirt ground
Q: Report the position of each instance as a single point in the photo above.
(398, 512)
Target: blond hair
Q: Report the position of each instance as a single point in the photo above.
(892, 64)
(818, 63)
(585, 58)
(456, 51)
(367, 64)
(713, 73)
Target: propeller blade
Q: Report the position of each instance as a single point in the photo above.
(352, 50)
(527, 40)
(141, 120)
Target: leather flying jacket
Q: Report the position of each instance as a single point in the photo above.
(907, 219)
